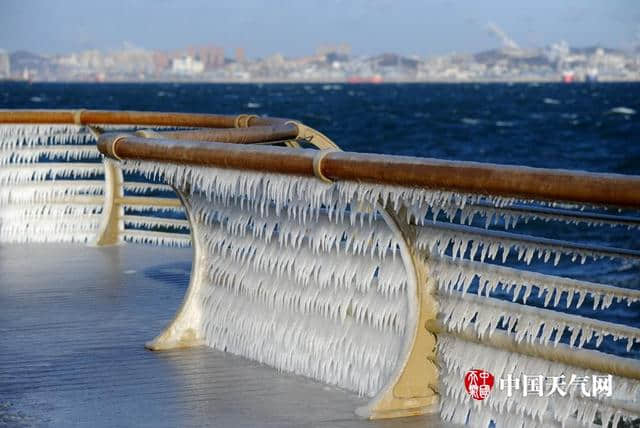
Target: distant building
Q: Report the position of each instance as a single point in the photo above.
(161, 61)
(37, 66)
(342, 49)
(130, 61)
(187, 66)
(5, 64)
(240, 55)
(211, 56)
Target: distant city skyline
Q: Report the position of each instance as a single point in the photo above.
(297, 28)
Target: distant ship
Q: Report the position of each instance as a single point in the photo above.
(376, 78)
(568, 76)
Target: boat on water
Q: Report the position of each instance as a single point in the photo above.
(376, 78)
(568, 76)
(386, 286)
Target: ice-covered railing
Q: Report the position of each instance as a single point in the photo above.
(354, 269)
(54, 186)
(51, 183)
(395, 276)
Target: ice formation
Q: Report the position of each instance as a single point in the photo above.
(51, 189)
(436, 238)
(327, 292)
(50, 184)
(305, 276)
(63, 191)
(317, 258)
(17, 137)
(321, 305)
(156, 238)
(20, 174)
(457, 357)
(60, 153)
(458, 275)
(510, 216)
(153, 222)
(145, 187)
(527, 323)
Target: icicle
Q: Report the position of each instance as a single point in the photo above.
(157, 238)
(511, 217)
(12, 175)
(72, 226)
(54, 153)
(153, 222)
(500, 276)
(518, 410)
(437, 238)
(145, 188)
(462, 311)
(61, 191)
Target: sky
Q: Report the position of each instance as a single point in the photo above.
(295, 28)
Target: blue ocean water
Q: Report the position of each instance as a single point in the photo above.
(594, 127)
(544, 125)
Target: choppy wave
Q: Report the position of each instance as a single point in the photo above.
(622, 110)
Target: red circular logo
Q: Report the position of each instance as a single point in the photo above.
(478, 383)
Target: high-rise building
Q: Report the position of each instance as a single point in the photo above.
(211, 56)
(240, 55)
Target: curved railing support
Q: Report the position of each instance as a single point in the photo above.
(112, 226)
(412, 389)
(182, 331)
(313, 136)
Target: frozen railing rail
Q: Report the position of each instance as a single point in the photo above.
(386, 275)
(54, 186)
(353, 264)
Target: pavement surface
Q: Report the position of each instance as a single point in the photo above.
(73, 322)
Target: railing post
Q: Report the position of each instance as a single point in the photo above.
(183, 331)
(413, 388)
(112, 225)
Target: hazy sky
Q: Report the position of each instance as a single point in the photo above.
(420, 27)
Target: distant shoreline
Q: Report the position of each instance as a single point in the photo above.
(314, 82)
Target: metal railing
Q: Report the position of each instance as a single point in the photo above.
(54, 186)
(389, 275)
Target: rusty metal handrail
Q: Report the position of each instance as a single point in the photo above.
(471, 177)
(239, 129)
(97, 117)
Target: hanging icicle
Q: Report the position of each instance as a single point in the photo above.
(458, 275)
(50, 184)
(508, 406)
